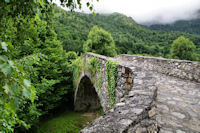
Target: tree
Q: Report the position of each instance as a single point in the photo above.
(15, 89)
(25, 36)
(48, 68)
(182, 48)
(100, 42)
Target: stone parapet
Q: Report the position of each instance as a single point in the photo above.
(183, 69)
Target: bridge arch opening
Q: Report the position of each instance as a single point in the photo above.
(86, 98)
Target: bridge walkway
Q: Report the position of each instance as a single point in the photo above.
(178, 104)
(156, 103)
(133, 110)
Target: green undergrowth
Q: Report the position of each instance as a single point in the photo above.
(67, 122)
(111, 70)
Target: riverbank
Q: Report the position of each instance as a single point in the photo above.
(67, 122)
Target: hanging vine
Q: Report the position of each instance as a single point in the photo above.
(99, 81)
(111, 75)
(94, 67)
(77, 66)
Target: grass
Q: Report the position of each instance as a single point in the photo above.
(67, 122)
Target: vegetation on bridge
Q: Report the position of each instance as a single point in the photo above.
(111, 76)
(94, 67)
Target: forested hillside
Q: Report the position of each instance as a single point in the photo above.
(73, 28)
(188, 26)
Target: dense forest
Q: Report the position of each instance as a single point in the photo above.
(40, 43)
(188, 26)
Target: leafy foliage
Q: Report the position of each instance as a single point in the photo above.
(15, 89)
(93, 65)
(76, 4)
(183, 48)
(48, 67)
(111, 76)
(25, 30)
(100, 42)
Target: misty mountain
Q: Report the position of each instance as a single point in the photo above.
(72, 29)
(188, 26)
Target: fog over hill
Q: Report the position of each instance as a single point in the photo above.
(149, 12)
(188, 26)
(171, 19)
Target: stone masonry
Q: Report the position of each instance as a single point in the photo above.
(124, 85)
(152, 95)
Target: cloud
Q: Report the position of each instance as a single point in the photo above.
(150, 11)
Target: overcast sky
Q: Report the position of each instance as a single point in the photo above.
(150, 11)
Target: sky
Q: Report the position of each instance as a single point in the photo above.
(149, 11)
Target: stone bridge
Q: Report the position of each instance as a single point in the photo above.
(151, 95)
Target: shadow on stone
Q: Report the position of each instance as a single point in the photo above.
(86, 99)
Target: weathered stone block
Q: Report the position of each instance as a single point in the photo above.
(128, 86)
(125, 121)
(137, 110)
(179, 131)
(123, 70)
(119, 73)
(179, 115)
(131, 75)
(141, 130)
(130, 80)
(165, 131)
(120, 104)
(152, 112)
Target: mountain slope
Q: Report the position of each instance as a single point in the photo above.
(189, 26)
(72, 29)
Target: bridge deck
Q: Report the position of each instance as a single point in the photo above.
(132, 111)
(156, 103)
(178, 104)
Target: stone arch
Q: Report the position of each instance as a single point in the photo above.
(86, 97)
(124, 83)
